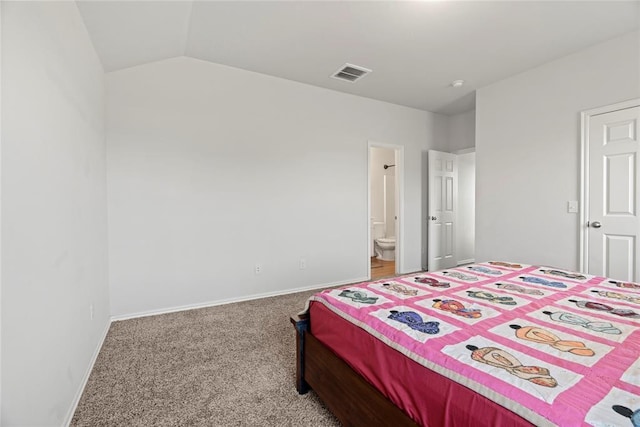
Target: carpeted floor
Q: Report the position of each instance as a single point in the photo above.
(230, 365)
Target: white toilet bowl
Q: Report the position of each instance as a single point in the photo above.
(386, 248)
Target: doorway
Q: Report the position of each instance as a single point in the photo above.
(610, 226)
(385, 166)
(466, 236)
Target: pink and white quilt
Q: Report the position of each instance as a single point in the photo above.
(555, 347)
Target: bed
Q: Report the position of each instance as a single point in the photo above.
(495, 343)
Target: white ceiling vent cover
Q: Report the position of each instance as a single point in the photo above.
(350, 73)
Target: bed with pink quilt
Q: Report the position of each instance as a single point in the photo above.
(519, 343)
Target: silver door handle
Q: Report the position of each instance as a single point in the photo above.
(595, 224)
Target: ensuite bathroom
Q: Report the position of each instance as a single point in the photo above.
(384, 215)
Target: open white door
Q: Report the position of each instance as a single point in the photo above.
(612, 243)
(443, 189)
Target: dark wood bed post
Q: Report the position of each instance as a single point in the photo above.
(301, 322)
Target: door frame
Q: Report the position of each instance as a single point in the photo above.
(585, 118)
(399, 159)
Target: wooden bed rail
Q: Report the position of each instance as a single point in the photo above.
(352, 399)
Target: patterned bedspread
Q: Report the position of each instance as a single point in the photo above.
(555, 347)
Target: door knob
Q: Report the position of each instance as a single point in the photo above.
(433, 218)
(595, 224)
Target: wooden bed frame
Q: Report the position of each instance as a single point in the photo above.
(352, 399)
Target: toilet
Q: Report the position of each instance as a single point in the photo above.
(383, 247)
(386, 248)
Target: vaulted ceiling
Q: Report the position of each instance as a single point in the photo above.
(415, 49)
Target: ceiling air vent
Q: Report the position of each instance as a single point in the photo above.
(350, 73)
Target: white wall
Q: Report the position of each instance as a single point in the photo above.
(390, 214)
(213, 169)
(54, 259)
(461, 131)
(528, 151)
(1, 211)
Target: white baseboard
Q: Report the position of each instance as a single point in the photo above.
(85, 379)
(232, 300)
(466, 261)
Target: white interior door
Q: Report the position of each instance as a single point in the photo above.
(443, 189)
(613, 211)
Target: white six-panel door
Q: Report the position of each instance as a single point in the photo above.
(613, 211)
(443, 188)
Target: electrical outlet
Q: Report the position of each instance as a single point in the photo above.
(91, 311)
(258, 268)
(303, 263)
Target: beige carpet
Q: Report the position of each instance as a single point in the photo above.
(230, 365)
